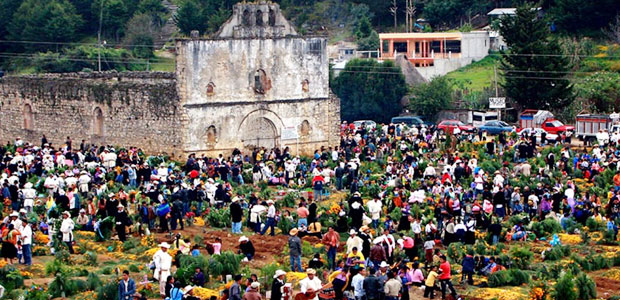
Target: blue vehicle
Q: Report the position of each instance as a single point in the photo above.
(496, 127)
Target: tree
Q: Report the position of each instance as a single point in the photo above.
(583, 16)
(116, 13)
(428, 99)
(601, 90)
(564, 289)
(155, 9)
(367, 38)
(140, 35)
(44, 21)
(535, 68)
(369, 90)
(190, 17)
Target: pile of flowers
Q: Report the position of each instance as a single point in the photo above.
(569, 239)
(204, 293)
(148, 241)
(41, 238)
(295, 277)
(198, 221)
(497, 293)
(88, 295)
(613, 274)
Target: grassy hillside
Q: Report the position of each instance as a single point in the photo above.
(476, 76)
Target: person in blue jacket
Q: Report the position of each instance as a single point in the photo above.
(126, 287)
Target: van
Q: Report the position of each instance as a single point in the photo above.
(408, 120)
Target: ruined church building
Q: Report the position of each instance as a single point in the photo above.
(257, 83)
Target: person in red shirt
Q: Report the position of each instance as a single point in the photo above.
(444, 277)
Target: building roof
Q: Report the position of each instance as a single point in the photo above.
(502, 11)
(421, 35)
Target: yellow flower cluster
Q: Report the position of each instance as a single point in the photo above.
(87, 234)
(318, 245)
(198, 221)
(148, 241)
(613, 274)
(537, 294)
(26, 274)
(121, 255)
(88, 295)
(204, 293)
(2, 263)
(569, 239)
(150, 252)
(295, 276)
(92, 246)
(334, 209)
(41, 238)
(497, 293)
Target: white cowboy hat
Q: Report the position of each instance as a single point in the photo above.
(255, 285)
(310, 271)
(352, 232)
(279, 273)
(235, 199)
(110, 195)
(243, 239)
(67, 213)
(120, 206)
(164, 245)
(23, 211)
(14, 214)
(384, 265)
(28, 185)
(187, 289)
(269, 201)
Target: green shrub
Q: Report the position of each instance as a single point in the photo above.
(455, 252)
(564, 289)
(521, 257)
(91, 258)
(130, 244)
(134, 268)
(546, 227)
(595, 225)
(219, 218)
(11, 278)
(519, 277)
(609, 238)
(557, 252)
(500, 278)
(61, 286)
(93, 282)
(586, 287)
(108, 291)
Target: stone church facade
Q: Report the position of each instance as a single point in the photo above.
(257, 83)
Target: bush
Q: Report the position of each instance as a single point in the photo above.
(500, 278)
(108, 291)
(546, 227)
(594, 225)
(93, 282)
(519, 277)
(586, 287)
(11, 278)
(91, 258)
(609, 238)
(522, 257)
(564, 289)
(61, 286)
(134, 268)
(557, 252)
(219, 218)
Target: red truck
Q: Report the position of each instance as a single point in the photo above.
(533, 118)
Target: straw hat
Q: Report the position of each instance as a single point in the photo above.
(293, 231)
(164, 245)
(279, 273)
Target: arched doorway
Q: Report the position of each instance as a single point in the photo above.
(98, 122)
(28, 117)
(259, 132)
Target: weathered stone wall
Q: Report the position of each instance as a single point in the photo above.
(135, 109)
(227, 109)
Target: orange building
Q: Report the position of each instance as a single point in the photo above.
(423, 48)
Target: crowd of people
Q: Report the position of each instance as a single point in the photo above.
(444, 196)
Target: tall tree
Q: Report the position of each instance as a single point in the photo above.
(367, 38)
(190, 17)
(116, 13)
(44, 21)
(429, 98)
(369, 90)
(535, 67)
(583, 16)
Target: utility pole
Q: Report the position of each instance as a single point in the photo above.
(410, 15)
(394, 12)
(99, 36)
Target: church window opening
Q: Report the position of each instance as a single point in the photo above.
(98, 122)
(272, 18)
(210, 89)
(247, 18)
(261, 82)
(28, 117)
(259, 18)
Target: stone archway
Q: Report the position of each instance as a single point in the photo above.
(257, 132)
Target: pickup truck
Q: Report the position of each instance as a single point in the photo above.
(532, 118)
(588, 125)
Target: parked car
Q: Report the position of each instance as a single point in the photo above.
(496, 127)
(368, 124)
(527, 132)
(532, 118)
(449, 125)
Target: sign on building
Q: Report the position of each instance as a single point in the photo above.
(497, 102)
(289, 133)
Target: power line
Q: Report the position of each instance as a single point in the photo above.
(94, 60)
(77, 43)
(61, 56)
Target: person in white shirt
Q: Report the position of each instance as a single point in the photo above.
(311, 284)
(66, 228)
(29, 195)
(271, 219)
(354, 241)
(358, 285)
(374, 209)
(83, 181)
(26, 236)
(163, 263)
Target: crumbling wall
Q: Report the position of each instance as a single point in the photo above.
(137, 108)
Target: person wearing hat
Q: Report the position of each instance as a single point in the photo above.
(246, 248)
(236, 214)
(29, 195)
(82, 219)
(294, 246)
(271, 219)
(188, 293)
(66, 228)
(26, 237)
(253, 293)
(163, 262)
(122, 221)
(277, 285)
(310, 285)
(126, 287)
(354, 241)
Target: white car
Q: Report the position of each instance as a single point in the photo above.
(550, 137)
(367, 123)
